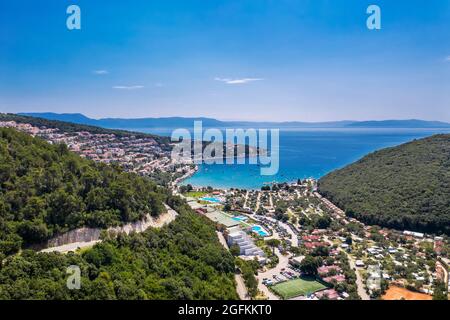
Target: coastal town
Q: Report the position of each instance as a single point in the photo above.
(297, 244)
(139, 154)
(307, 248)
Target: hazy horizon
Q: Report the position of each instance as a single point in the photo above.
(225, 120)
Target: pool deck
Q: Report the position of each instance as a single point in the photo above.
(260, 231)
(211, 200)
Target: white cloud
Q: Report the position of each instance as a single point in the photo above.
(100, 72)
(447, 59)
(238, 81)
(128, 87)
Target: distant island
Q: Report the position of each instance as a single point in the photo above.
(177, 122)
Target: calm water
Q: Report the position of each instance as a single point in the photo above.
(305, 153)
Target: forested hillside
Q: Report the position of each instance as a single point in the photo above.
(45, 189)
(183, 260)
(405, 187)
(164, 142)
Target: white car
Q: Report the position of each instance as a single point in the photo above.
(359, 264)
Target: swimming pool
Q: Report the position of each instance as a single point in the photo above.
(260, 231)
(211, 199)
(240, 218)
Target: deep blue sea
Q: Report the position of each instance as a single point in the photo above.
(305, 153)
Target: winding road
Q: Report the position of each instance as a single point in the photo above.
(240, 288)
(159, 222)
(282, 263)
(359, 280)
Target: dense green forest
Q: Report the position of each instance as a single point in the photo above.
(183, 260)
(404, 187)
(46, 189)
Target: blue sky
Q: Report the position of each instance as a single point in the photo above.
(306, 60)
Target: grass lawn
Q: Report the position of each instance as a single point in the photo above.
(195, 194)
(297, 287)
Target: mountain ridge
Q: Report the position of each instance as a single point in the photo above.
(211, 122)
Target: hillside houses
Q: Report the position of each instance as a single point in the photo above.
(141, 155)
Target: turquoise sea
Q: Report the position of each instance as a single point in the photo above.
(305, 153)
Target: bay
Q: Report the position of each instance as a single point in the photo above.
(304, 153)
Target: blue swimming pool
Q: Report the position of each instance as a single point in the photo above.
(211, 199)
(260, 230)
(239, 218)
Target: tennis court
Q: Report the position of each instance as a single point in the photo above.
(297, 287)
(220, 217)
